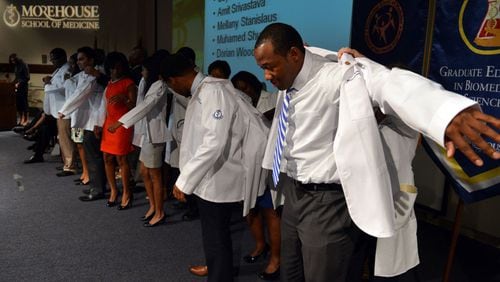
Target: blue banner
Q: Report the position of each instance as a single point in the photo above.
(466, 59)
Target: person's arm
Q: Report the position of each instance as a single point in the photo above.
(217, 115)
(132, 96)
(37, 124)
(446, 117)
(81, 94)
(155, 94)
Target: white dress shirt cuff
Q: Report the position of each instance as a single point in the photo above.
(182, 184)
(446, 112)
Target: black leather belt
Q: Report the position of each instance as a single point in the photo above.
(319, 186)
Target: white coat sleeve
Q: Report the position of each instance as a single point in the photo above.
(142, 109)
(217, 116)
(421, 103)
(81, 94)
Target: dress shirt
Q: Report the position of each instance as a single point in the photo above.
(312, 113)
(88, 99)
(154, 110)
(54, 92)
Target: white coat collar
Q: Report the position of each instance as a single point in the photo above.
(196, 82)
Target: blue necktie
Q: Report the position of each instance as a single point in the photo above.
(282, 126)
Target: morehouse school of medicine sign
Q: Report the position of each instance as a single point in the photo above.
(52, 16)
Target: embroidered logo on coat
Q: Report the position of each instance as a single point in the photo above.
(218, 114)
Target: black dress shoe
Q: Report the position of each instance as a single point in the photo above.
(29, 137)
(162, 220)
(65, 173)
(252, 259)
(34, 159)
(190, 215)
(90, 197)
(270, 276)
(86, 191)
(19, 129)
(82, 183)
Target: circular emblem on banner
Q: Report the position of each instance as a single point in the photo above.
(384, 26)
(11, 16)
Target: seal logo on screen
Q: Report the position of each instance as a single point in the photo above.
(479, 26)
(11, 16)
(384, 26)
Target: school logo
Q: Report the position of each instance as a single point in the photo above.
(480, 32)
(11, 16)
(384, 26)
(218, 114)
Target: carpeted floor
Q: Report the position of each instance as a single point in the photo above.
(47, 234)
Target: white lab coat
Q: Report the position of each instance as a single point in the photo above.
(422, 104)
(154, 110)
(54, 92)
(88, 101)
(377, 210)
(69, 90)
(267, 101)
(221, 151)
(256, 133)
(399, 253)
(139, 126)
(176, 125)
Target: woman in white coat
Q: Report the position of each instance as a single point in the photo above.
(153, 110)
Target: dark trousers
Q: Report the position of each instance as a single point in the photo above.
(191, 204)
(46, 132)
(318, 236)
(215, 227)
(95, 160)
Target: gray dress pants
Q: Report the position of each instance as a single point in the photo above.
(317, 234)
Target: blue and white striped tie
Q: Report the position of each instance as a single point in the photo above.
(282, 126)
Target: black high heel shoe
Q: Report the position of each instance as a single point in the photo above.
(147, 218)
(128, 205)
(252, 259)
(111, 204)
(162, 220)
(270, 276)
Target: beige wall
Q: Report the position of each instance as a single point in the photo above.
(123, 23)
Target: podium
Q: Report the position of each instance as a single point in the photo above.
(7, 106)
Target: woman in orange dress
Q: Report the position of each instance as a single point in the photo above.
(121, 95)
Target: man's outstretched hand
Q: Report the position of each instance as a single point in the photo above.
(471, 125)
